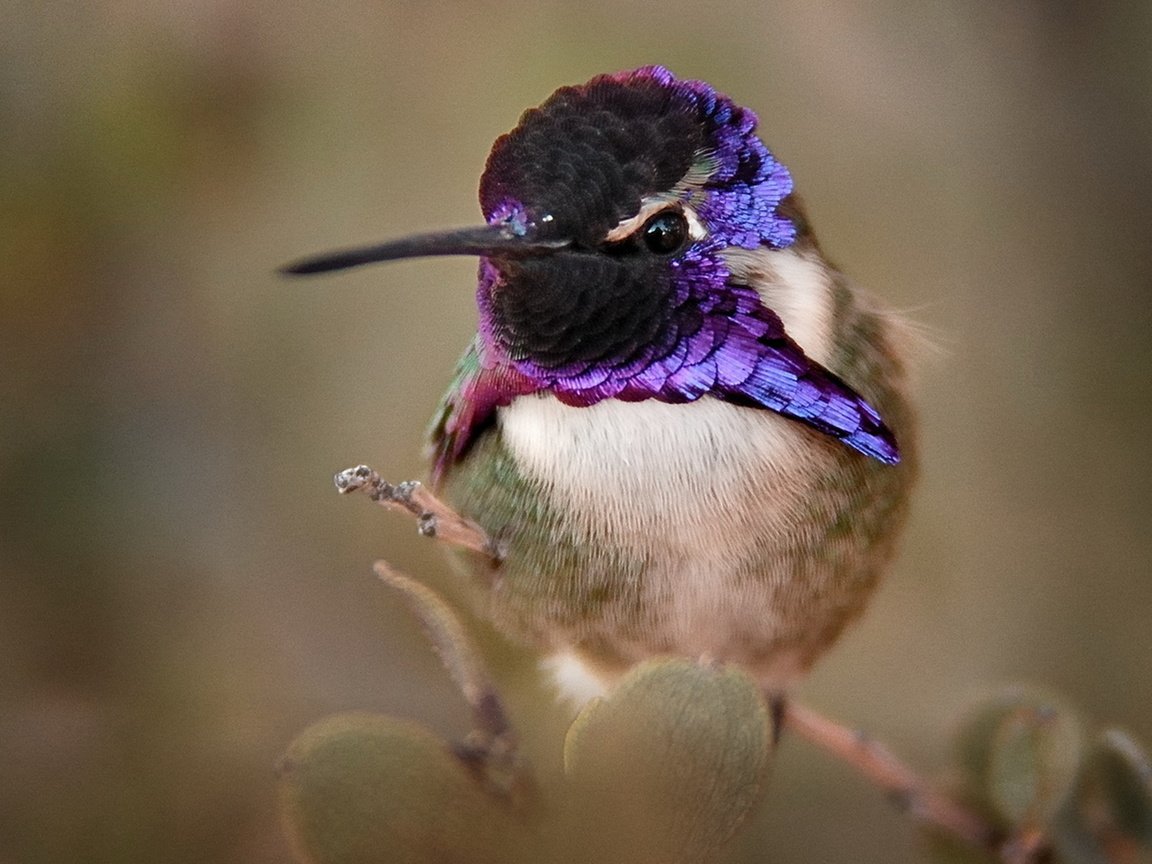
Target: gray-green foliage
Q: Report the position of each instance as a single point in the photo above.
(664, 770)
(1018, 754)
(1024, 762)
(1109, 817)
(670, 765)
(365, 789)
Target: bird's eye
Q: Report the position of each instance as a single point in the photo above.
(665, 232)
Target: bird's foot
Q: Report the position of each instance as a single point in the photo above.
(434, 518)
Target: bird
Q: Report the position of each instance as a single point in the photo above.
(692, 434)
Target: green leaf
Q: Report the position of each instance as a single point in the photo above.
(1109, 815)
(365, 789)
(941, 848)
(1020, 753)
(669, 766)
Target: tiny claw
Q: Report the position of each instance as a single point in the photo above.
(353, 479)
(404, 491)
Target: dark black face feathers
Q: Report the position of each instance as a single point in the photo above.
(589, 154)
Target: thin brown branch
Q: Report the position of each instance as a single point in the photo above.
(434, 518)
(450, 640)
(492, 748)
(905, 786)
(1026, 847)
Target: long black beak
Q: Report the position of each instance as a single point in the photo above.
(494, 241)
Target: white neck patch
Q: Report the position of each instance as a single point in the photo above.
(797, 287)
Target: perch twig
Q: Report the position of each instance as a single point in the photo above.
(910, 791)
(492, 748)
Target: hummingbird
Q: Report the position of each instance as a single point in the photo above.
(690, 431)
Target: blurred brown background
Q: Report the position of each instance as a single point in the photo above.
(181, 590)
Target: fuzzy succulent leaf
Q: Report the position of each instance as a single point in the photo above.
(670, 765)
(1109, 815)
(1020, 752)
(365, 789)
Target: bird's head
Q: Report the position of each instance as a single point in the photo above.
(604, 206)
(641, 181)
(620, 218)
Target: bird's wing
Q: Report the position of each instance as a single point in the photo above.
(784, 379)
(741, 354)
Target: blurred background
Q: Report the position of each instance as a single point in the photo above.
(181, 589)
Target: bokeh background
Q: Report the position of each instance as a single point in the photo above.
(181, 590)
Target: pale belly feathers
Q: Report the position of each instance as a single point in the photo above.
(717, 500)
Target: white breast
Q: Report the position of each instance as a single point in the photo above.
(644, 473)
(798, 287)
(696, 492)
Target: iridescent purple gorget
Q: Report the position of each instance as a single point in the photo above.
(574, 169)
